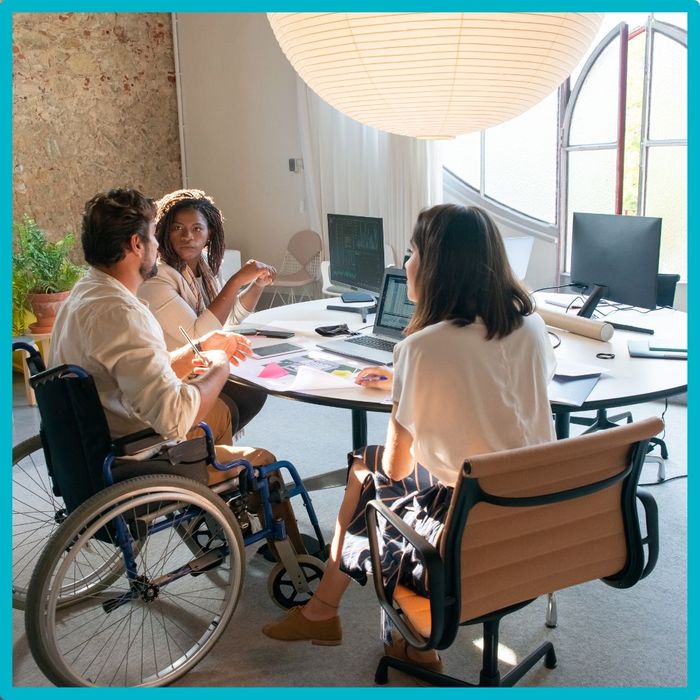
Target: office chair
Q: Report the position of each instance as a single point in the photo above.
(665, 294)
(300, 267)
(521, 523)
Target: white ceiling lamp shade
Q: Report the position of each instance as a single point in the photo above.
(433, 74)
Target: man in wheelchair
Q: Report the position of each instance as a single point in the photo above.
(146, 567)
(105, 329)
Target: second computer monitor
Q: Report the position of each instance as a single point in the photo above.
(620, 253)
(356, 252)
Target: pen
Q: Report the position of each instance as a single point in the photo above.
(374, 378)
(195, 349)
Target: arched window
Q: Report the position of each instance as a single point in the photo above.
(514, 166)
(624, 137)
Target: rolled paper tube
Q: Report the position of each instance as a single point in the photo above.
(598, 330)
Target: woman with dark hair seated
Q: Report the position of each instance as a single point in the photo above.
(470, 378)
(189, 291)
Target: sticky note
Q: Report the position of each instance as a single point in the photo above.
(273, 371)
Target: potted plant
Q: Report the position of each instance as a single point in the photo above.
(42, 276)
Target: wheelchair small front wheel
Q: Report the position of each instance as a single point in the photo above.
(282, 589)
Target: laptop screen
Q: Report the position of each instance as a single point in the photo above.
(395, 310)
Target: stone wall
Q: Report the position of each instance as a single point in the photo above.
(95, 107)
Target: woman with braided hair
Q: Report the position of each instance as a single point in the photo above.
(189, 291)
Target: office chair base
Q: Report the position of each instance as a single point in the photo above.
(601, 421)
(489, 676)
(486, 680)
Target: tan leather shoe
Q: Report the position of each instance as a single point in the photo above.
(398, 649)
(294, 627)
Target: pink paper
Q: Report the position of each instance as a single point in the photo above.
(273, 371)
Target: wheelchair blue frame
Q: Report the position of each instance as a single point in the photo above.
(254, 477)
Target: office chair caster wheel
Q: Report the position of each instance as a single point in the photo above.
(281, 587)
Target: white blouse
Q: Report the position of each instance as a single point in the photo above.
(174, 304)
(459, 394)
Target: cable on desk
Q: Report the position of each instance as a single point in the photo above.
(556, 338)
(550, 289)
(573, 301)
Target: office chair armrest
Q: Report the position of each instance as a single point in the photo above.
(435, 580)
(651, 516)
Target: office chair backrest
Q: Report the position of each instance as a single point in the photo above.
(74, 432)
(666, 288)
(304, 246)
(505, 555)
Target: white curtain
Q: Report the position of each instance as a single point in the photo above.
(354, 169)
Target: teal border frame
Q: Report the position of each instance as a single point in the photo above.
(8, 7)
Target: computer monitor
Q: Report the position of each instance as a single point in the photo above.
(356, 252)
(616, 258)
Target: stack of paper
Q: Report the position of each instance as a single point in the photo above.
(572, 383)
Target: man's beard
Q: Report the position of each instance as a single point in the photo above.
(146, 273)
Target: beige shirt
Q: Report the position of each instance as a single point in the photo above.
(105, 329)
(174, 304)
(459, 394)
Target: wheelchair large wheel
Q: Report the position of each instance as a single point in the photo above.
(152, 625)
(280, 584)
(36, 514)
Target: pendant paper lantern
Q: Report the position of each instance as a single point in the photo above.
(433, 74)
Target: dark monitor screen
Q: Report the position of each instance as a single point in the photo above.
(356, 251)
(617, 252)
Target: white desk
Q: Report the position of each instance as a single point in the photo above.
(629, 380)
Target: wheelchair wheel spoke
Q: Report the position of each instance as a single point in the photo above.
(36, 512)
(150, 627)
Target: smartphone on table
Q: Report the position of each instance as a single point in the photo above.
(276, 349)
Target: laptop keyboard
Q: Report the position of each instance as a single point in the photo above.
(371, 341)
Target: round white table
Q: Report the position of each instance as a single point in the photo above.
(626, 380)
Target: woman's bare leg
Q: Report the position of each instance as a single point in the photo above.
(325, 602)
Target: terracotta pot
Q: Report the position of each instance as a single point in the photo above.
(45, 308)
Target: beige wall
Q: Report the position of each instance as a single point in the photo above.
(95, 107)
(240, 128)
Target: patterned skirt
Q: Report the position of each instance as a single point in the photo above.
(419, 499)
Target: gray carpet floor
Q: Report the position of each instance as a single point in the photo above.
(605, 637)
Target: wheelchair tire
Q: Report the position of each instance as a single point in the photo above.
(36, 514)
(281, 587)
(150, 629)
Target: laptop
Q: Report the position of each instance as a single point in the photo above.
(393, 314)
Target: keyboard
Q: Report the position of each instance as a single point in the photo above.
(371, 341)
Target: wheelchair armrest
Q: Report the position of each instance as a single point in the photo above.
(651, 516)
(435, 580)
(136, 442)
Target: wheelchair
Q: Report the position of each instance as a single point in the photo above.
(139, 562)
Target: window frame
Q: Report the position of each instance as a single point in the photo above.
(621, 31)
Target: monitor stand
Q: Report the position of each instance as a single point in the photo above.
(594, 297)
(364, 311)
